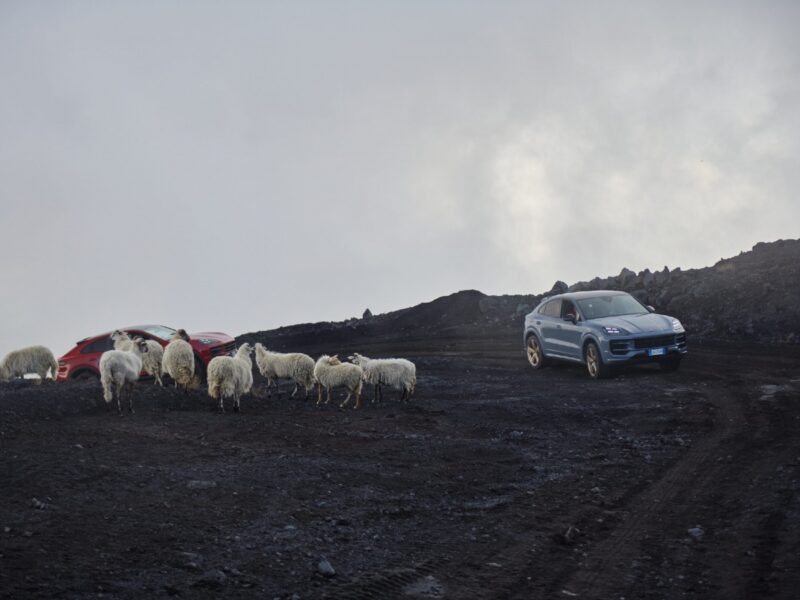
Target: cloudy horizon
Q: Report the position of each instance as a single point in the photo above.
(259, 165)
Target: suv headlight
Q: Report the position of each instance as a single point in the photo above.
(615, 331)
(676, 325)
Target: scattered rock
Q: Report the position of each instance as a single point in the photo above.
(38, 504)
(201, 484)
(427, 587)
(213, 579)
(325, 567)
(696, 533)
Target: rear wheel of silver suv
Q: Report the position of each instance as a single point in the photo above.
(534, 352)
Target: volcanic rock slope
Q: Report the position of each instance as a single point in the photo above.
(751, 297)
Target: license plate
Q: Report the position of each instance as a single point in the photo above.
(656, 352)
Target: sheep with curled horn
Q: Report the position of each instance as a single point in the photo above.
(151, 361)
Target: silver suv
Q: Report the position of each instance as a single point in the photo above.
(602, 329)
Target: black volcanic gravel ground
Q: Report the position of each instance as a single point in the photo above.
(495, 482)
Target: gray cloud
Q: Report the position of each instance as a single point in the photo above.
(258, 165)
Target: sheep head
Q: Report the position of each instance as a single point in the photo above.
(180, 334)
(118, 334)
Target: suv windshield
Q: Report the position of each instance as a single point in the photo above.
(159, 331)
(611, 306)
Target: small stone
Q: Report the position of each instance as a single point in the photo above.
(696, 533)
(212, 579)
(325, 567)
(201, 484)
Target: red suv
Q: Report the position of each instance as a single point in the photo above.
(82, 362)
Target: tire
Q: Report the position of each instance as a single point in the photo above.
(85, 375)
(535, 354)
(668, 365)
(199, 369)
(594, 362)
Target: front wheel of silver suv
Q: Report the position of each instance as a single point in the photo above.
(534, 351)
(594, 362)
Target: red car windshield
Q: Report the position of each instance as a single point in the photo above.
(159, 331)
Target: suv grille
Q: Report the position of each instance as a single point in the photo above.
(619, 346)
(655, 342)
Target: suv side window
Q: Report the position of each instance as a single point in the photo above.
(568, 308)
(552, 308)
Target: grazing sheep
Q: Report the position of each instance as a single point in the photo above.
(397, 373)
(330, 372)
(119, 370)
(231, 376)
(296, 366)
(151, 362)
(178, 360)
(33, 359)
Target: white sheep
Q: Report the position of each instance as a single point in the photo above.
(151, 362)
(231, 376)
(331, 372)
(397, 373)
(119, 370)
(178, 360)
(296, 366)
(33, 359)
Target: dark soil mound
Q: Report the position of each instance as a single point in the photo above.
(754, 296)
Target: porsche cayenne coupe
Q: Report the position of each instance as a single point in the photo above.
(602, 329)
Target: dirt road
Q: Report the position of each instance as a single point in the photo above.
(496, 482)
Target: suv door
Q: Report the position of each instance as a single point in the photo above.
(568, 335)
(550, 315)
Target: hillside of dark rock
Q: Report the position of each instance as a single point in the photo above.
(754, 296)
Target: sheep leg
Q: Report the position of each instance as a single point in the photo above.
(118, 394)
(358, 399)
(221, 405)
(236, 403)
(374, 393)
(346, 400)
(295, 390)
(329, 395)
(129, 393)
(319, 393)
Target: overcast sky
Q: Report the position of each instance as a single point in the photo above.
(238, 166)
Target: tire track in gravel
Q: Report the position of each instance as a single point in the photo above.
(601, 572)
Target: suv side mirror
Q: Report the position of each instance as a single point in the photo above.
(650, 308)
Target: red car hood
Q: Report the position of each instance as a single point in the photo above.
(214, 336)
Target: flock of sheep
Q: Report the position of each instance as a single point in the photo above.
(228, 376)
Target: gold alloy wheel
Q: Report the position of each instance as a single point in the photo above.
(534, 352)
(592, 361)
